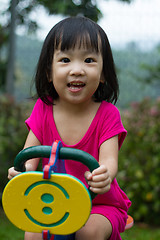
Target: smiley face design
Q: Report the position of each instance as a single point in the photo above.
(60, 204)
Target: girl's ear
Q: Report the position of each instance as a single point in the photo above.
(102, 79)
(49, 79)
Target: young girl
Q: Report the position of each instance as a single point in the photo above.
(75, 75)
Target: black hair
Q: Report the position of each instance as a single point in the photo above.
(66, 35)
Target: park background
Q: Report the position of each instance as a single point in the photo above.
(132, 27)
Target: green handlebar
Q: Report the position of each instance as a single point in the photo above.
(64, 153)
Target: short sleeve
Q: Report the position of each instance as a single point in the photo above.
(112, 125)
(35, 121)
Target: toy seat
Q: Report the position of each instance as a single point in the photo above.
(47, 202)
(130, 222)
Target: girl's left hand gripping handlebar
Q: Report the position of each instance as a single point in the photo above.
(64, 153)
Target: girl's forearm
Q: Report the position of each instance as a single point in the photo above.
(32, 164)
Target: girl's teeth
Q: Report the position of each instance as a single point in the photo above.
(74, 85)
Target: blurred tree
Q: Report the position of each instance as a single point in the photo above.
(19, 12)
(11, 50)
(3, 40)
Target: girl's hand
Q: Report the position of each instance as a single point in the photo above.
(99, 180)
(12, 173)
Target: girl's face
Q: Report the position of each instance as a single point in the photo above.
(76, 74)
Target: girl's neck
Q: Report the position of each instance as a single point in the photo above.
(73, 120)
(72, 108)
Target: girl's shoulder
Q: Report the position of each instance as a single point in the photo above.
(109, 113)
(109, 108)
(40, 109)
(41, 105)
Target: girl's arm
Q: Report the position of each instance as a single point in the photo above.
(31, 165)
(101, 178)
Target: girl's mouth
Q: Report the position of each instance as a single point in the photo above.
(75, 86)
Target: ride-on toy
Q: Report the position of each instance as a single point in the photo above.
(50, 202)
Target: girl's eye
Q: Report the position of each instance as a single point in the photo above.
(89, 60)
(65, 60)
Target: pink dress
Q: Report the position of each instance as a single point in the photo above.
(106, 124)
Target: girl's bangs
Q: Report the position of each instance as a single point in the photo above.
(71, 37)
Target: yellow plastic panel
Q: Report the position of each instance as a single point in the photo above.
(60, 204)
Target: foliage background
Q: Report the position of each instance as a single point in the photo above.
(139, 77)
(12, 134)
(139, 160)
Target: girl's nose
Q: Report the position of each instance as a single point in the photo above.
(77, 69)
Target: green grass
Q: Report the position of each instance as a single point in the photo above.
(138, 232)
(141, 232)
